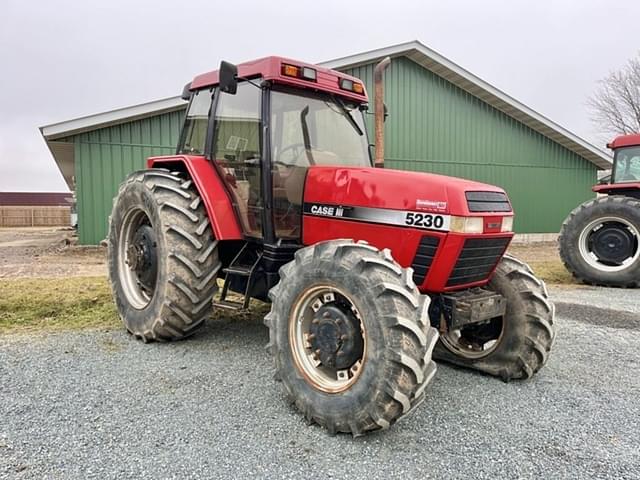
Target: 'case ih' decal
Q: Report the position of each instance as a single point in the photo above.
(426, 221)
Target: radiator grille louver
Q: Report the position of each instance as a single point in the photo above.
(424, 257)
(487, 202)
(478, 258)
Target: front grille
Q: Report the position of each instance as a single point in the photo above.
(424, 257)
(478, 258)
(487, 202)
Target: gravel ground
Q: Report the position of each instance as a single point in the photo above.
(100, 405)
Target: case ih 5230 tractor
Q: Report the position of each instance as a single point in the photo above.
(599, 240)
(273, 191)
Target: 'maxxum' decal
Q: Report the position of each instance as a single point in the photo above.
(426, 221)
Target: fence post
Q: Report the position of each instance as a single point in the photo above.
(32, 217)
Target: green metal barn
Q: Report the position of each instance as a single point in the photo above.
(443, 119)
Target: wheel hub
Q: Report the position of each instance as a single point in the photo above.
(612, 243)
(335, 337)
(142, 257)
(327, 338)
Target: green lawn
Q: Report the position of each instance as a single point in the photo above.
(56, 303)
(552, 272)
(85, 302)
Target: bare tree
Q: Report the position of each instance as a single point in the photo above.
(616, 103)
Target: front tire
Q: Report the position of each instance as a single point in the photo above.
(163, 260)
(600, 242)
(350, 336)
(516, 345)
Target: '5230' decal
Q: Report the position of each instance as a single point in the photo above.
(427, 220)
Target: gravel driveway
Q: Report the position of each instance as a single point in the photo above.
(100, 405)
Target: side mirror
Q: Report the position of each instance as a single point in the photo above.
(228, 77)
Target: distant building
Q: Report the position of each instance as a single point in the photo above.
(35, 199)
(36, 209)
(442, 119)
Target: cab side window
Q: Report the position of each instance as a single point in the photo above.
(627, 165)
(195, 127)
(236, 151)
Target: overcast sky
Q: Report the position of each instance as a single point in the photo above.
(62, 59)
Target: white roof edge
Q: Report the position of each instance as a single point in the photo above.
(530, 117)
(599, 157)
(119, 115)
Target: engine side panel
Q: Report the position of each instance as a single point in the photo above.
(214, 195)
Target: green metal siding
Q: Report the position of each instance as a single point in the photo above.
(104, 157)
(434, 126)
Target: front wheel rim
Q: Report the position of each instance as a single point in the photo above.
(475, 345)
(609, 244)
(137, 258)
(327, 338)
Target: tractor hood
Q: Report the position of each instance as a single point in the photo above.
(401, 190)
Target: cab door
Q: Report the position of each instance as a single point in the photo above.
(237, 152)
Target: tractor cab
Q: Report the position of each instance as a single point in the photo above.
(625, 174)
(263, 124)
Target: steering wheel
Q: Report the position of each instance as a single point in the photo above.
(297, 149)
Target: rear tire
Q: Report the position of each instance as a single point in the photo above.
(523, 336)
(396, 364)
(159, 224)
(585, 245)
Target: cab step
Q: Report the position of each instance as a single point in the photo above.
(229, 305)
(244, 265)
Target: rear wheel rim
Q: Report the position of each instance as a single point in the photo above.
(137, 258)
(609, 244)
(327, 338)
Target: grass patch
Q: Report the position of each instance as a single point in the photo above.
(85, 302)
(552, 272)
(41, 304)
(56, 304)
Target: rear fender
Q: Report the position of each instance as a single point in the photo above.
(630, 189)
(214, 195)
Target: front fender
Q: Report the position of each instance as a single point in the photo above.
(222, 216)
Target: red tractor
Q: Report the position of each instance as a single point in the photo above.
(273, 192)
(599, 240)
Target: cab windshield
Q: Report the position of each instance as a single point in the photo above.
(627, 165)
(317, 130)
(308, 130)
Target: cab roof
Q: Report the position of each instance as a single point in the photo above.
(270, 68)
(625, 141)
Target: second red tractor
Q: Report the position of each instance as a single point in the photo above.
(273, 192)
(600, 239)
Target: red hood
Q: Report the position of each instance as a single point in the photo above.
(393, 189)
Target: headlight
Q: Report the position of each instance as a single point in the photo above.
(467, 224)
(507, 224)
